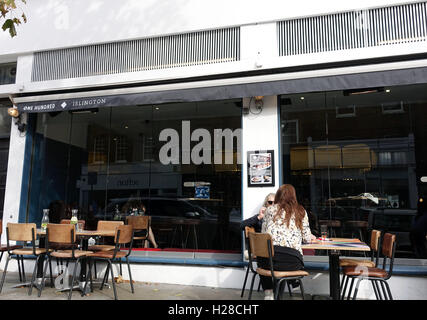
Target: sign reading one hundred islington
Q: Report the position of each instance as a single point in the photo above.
(61, 105)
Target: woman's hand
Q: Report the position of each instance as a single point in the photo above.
(312, 238)
(261, 213)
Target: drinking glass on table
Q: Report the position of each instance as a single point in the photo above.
(324, 232)
(79, 226)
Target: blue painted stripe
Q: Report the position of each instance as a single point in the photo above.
(26, 169)
(309, 266)
(206, 262)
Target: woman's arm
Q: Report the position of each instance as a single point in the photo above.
(307, 236)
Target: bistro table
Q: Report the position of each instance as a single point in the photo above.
(85, 235)
(334, 246)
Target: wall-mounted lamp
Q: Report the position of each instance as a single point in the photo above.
(14, 113)
(259, 103)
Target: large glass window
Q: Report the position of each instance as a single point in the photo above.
(106, 162)
(357, 158)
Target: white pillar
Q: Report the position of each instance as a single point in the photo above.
(14, 178)
(260, 132)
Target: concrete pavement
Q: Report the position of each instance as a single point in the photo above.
(143, 291)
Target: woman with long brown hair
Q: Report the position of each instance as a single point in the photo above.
(287, 222)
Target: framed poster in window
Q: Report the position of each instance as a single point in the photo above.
(261, 168)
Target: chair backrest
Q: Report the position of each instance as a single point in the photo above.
(259, 244)
(388, 245)
(68, 221)
(108, 225)
(21, 231)
(330, 223)
(138, 222)
(61, 233)
(125, 235)
(375, 240)
(247, 230)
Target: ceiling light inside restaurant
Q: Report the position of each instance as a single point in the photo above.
(353, 92)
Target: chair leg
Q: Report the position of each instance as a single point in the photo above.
(19, 272)
(275, 290)
(4, 272)
(380, 297)
(280, 288)
(289, 288)
(94, 265)
(252, 285)
(301, 288)
(112, 280)
(73, 278)
(259, 286)
(88, 276)
(244, 282)
(33, 277)
(388, 290)
(384, 290)
(375, 289)
(105, 279)
(351, 287)
(51, 273)
(23, 269)
(357, 288)
(130, 276)
(345, 287)
(43, 277)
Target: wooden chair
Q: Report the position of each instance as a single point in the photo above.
(248, 268)
(64, 246)
(261, 245)
(25, 232)
(63, 234)
(104, 225)
(123, 236)
(141, 227)
(376, 275)
(358, 227)
(3, 249)
(372, 263)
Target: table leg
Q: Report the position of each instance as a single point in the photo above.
(334, 275)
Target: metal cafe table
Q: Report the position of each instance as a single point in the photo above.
(84, 235)
(334, 246)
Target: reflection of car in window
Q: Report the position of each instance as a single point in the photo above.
(158, 207)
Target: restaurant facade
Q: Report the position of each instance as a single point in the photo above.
(199, 120)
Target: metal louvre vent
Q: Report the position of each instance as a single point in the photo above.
(352, 30)
(198, 48)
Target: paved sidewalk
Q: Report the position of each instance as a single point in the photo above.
(143, 291)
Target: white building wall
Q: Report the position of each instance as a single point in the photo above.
(56, 24)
